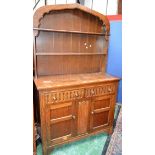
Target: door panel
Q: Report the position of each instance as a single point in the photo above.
(100, 112)
(60, 120)
(100, 119)
(61, 129)
(60, 112)
(101, 103)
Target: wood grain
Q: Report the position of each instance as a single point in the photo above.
(74, 97)
(83, 114)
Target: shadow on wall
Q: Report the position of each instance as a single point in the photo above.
(114, 66)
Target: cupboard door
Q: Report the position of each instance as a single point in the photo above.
(83, 117)
(100, 112)
(60, 121)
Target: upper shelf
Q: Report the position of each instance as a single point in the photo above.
(62, 54)
(66, 31)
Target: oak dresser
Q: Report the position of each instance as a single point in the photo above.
(74, 96)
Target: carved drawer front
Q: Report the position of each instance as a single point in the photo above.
(62, 96)
(100, 90)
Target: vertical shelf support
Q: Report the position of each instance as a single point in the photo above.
(34, 56)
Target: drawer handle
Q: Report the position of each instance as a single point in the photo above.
(73, 117)
(54, 98)
(92, 112)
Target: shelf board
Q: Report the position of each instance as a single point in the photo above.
(56, 54)
(66, 31)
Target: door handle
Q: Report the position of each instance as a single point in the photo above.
(73, 117)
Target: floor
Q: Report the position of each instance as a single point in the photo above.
(89, 146)
(94, 145)
(113, 144)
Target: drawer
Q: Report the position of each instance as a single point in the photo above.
(63, 96)
(52, 97)
(106, 89)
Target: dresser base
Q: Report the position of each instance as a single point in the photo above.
(108, 130)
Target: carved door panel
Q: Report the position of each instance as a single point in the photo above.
(60, 120)
(100, 112)
(83, 116)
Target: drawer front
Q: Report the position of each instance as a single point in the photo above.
(63, 96)
(106, 89)
(75, 94)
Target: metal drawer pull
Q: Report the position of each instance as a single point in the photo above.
(73, 117)
(92, 112)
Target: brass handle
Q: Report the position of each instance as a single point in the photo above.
(92, 112)
(54, 98)
(73, 117)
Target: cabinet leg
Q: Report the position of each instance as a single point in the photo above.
(49, 152)
(44, 150)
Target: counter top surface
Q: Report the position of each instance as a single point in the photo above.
(57, 81)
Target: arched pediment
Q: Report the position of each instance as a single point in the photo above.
(63, 11)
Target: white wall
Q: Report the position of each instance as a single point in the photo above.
(88, 3)
(50, 2)
(71, 1)
(60, 1)
(41, 3)
(100, 6)
(112, 7)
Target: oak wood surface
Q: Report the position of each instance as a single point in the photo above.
(66, 31)
(46, 9)
(46, 82)
(73, 35)
(73, 94)
(34, 138)
(83, 114)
